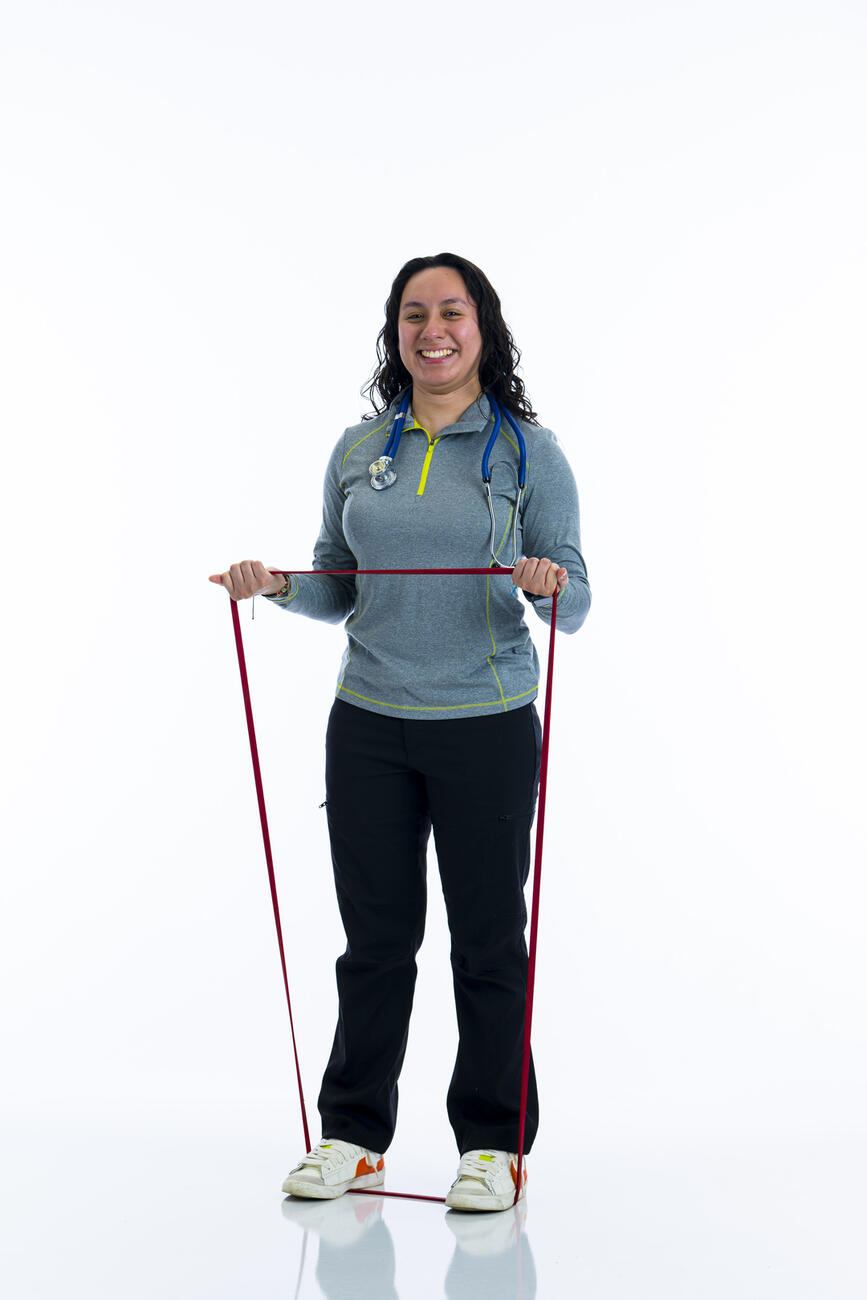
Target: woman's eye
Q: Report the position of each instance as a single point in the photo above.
(416, 315)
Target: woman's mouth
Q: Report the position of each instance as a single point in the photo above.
(434, 355)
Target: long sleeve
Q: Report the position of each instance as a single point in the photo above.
(551, 527)
(328, 598)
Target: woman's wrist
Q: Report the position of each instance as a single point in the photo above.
(283, 590)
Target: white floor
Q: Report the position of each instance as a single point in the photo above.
(173, 1207)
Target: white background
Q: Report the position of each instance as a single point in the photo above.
(203, 209)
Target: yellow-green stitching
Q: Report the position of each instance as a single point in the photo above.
(506, 533)
(510, 440)
(493, 642)
(434, 708)
(378, 429)
(283, 601)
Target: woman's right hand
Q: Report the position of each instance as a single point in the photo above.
(249, 578)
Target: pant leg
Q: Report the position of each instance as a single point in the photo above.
(482, 778)
(379, 826)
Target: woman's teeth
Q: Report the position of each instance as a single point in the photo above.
(442, 352)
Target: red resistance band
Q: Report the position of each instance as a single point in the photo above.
(537, 866)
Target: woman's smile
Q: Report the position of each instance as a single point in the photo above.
(442, 354)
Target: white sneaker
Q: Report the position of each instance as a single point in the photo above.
(332, 1168)
(486, 1181)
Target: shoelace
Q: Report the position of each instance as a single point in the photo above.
(476, 1164)
(333, 1154)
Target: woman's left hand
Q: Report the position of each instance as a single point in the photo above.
(539, 577)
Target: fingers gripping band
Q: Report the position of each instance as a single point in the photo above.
(537, 864)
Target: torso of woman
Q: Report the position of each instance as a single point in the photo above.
(441, 646)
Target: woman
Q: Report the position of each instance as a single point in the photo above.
(433, 724)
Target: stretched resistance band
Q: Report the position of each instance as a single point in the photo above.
(537, 866)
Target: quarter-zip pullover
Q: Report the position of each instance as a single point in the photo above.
(441, 647)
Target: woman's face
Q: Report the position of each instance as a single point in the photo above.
(438, 332)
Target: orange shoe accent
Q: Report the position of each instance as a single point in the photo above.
(365, 1167)
(380, 1164)
(514, 1170)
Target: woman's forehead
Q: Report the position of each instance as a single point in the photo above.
(435, 285)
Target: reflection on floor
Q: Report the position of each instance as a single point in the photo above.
(186, 1205)
(356, 1258)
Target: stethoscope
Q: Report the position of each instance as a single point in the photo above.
(383, 473)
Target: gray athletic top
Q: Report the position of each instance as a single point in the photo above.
(441, 647)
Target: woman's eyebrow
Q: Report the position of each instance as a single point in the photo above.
(444, 302)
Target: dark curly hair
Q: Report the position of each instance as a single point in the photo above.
(499, 357)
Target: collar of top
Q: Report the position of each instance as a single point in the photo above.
(474, 418)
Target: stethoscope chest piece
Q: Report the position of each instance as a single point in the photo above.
(382, 475)
(382, 471)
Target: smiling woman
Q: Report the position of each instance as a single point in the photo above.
(434, 726)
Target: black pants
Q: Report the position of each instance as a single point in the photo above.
(475, 781)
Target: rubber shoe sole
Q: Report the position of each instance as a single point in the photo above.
(458, 1200)
(311, 1190)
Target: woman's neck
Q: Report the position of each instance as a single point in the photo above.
(435, 411)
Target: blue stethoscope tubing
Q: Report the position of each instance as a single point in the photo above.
(383, 473)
